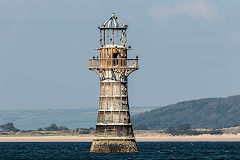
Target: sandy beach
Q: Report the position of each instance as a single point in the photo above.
(165, 138)
(199, 138)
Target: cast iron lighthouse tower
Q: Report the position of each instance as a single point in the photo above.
(114, 131)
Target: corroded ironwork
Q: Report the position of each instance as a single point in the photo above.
(114, 131)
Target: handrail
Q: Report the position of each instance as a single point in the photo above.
(113, 58)
(108, 63)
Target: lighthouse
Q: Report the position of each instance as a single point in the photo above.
(114, 131)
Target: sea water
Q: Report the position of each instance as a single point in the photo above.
(147, 150)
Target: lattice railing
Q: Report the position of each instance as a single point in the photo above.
(113, 63)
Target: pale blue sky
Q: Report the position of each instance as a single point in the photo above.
(188, 49)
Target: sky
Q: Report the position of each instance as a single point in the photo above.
(188, 49)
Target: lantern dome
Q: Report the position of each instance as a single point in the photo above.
(113, 23)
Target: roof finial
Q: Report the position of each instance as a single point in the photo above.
(113, 15)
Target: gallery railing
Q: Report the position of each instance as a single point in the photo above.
(121, 63)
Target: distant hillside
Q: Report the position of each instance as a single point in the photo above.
(202, 113)
(71, 118)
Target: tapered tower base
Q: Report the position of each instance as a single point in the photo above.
(114, 145)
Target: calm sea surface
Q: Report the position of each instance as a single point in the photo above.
(158, 150)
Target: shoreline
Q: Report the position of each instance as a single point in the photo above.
(139, 138)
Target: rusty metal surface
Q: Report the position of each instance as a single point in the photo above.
(113, 66)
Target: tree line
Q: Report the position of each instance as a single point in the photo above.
(9, 127)
(182, 129)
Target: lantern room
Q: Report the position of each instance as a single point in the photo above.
(113, 33)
